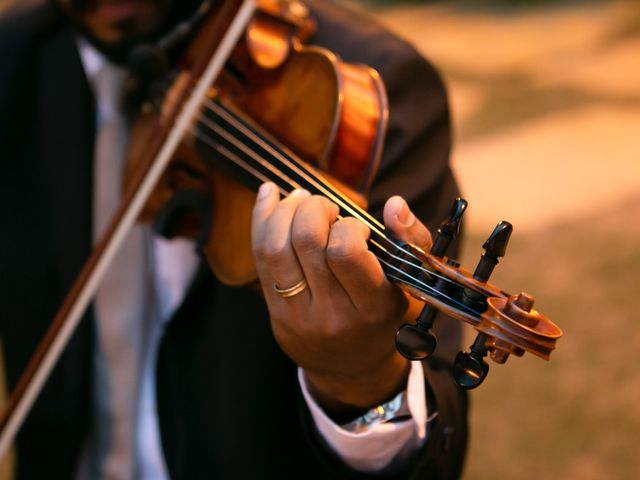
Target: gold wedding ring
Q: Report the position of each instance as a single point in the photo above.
(291, 291)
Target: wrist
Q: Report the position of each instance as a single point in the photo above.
(344, 397)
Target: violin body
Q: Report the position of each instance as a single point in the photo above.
(330, 114)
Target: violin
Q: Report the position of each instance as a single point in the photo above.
(231, 120)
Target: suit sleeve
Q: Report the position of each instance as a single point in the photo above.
(415, 165)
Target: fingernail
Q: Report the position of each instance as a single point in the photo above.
(299, 192)
(405, 216)
(265, 190)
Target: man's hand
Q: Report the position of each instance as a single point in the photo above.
(340, 329)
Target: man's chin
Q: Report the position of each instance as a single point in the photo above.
(114, 32)
(116, 39)
(113, 13)
(117, 50)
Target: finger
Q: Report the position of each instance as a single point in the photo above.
(399, 218)
(276, 260)
(356, 267)
(266, 201)
(310, 234)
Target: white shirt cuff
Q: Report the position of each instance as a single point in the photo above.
(382, 444)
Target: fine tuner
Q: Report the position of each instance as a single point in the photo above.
(506, 324)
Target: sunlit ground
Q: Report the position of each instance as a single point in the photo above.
(546, 103)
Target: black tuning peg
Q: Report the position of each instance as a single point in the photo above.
(469, 368)
(416, 342)
(449, 229)
(494, 248)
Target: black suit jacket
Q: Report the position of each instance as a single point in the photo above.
(229, 403)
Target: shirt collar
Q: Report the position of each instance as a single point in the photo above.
(92, 60)
(96, 66)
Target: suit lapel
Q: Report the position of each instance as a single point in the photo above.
(65, 108)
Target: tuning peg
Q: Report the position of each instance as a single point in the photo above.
(494, 248)
(449, 229)
(416, 342)
(470, 369)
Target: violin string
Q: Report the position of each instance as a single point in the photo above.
(244, 165)
(355, 211)
(404, 276)
(435, 292)
(416, 279)
(310, 178)
(223, 111)
(164, 87)
(320, 183)
(270, 166)
(217, 128)
(237, 160)
(326, 188)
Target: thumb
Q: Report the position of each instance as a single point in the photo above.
(399, 218)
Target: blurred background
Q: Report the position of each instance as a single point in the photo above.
(545, 98)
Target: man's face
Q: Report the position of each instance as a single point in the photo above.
(115, 24)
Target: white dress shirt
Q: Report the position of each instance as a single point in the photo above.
(173, 264)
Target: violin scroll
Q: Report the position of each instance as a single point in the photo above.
(506, 324)
(513, 327)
